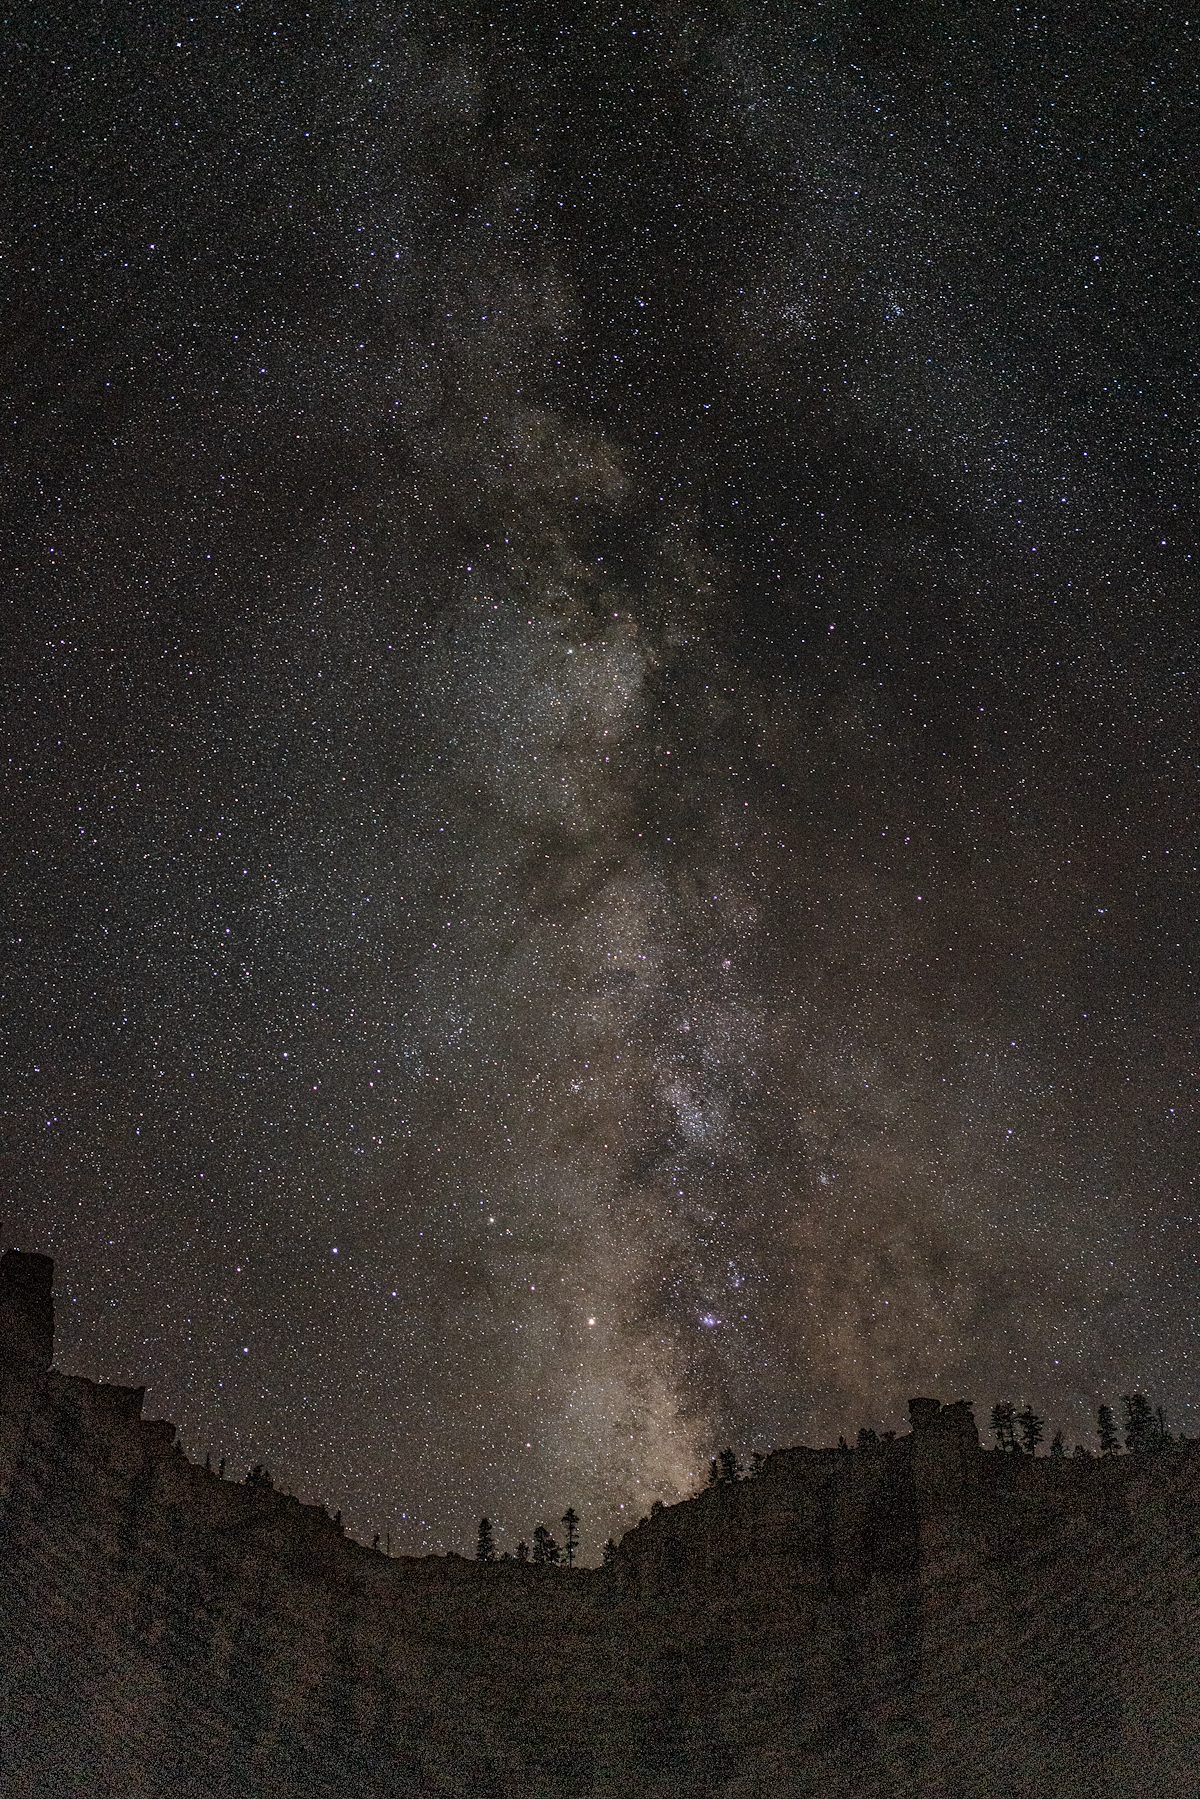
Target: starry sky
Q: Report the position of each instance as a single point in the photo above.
(599, 713)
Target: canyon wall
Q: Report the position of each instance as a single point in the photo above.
(921, 1617)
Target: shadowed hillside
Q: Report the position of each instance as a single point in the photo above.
(920, 1616)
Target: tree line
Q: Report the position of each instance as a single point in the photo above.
(546, 1551)
(1144, 1428)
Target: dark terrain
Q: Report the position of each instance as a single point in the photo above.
(920, 1617)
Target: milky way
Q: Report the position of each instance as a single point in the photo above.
(600, 731)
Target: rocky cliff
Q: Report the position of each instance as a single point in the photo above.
(922, 1617)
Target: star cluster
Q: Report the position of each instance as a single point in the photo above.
(600, 730)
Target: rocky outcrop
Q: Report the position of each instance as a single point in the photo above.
(921, 1617)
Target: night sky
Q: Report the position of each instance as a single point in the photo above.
(599, 691)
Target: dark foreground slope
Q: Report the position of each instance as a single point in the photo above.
(922, 1617)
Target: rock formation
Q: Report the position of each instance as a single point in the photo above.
(920, 1617)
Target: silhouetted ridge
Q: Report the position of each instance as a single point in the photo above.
(924, 1616)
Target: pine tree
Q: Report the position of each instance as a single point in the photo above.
(1032, 1429)
(570, 1520)
(714, 1473)
(485, 1546)
(1106, 1431)
(757, 1460)
(545, 1549)
(609, 1553)
(867, 1438)
(522, 1551)
(1057, 1446)
(1139, 1423)
(730, 1469)
(1004, 1417)
(1162, 1435)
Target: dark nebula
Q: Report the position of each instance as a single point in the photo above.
(600, 725)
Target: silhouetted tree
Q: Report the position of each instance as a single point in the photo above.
(259, 1476)
(1161, 1433)
(867, 1437)
(375, 1541)
(337, 1519)
(208, 1464)
(714, 1473)
(522, 1551)
(1080, 1453)
(545, 1549)
(729, 1468)
(842, 1443)
(1033, 1429)
(570, 1523)
(1139, 1423)
(507, 1556)
(1004, 1420)
(1106, 1431)
(656, 1506)
(1057, 1446)
(608, 1554)
(889, 1436)
(485, 1543)
(221, 1469)
(757, 1462)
